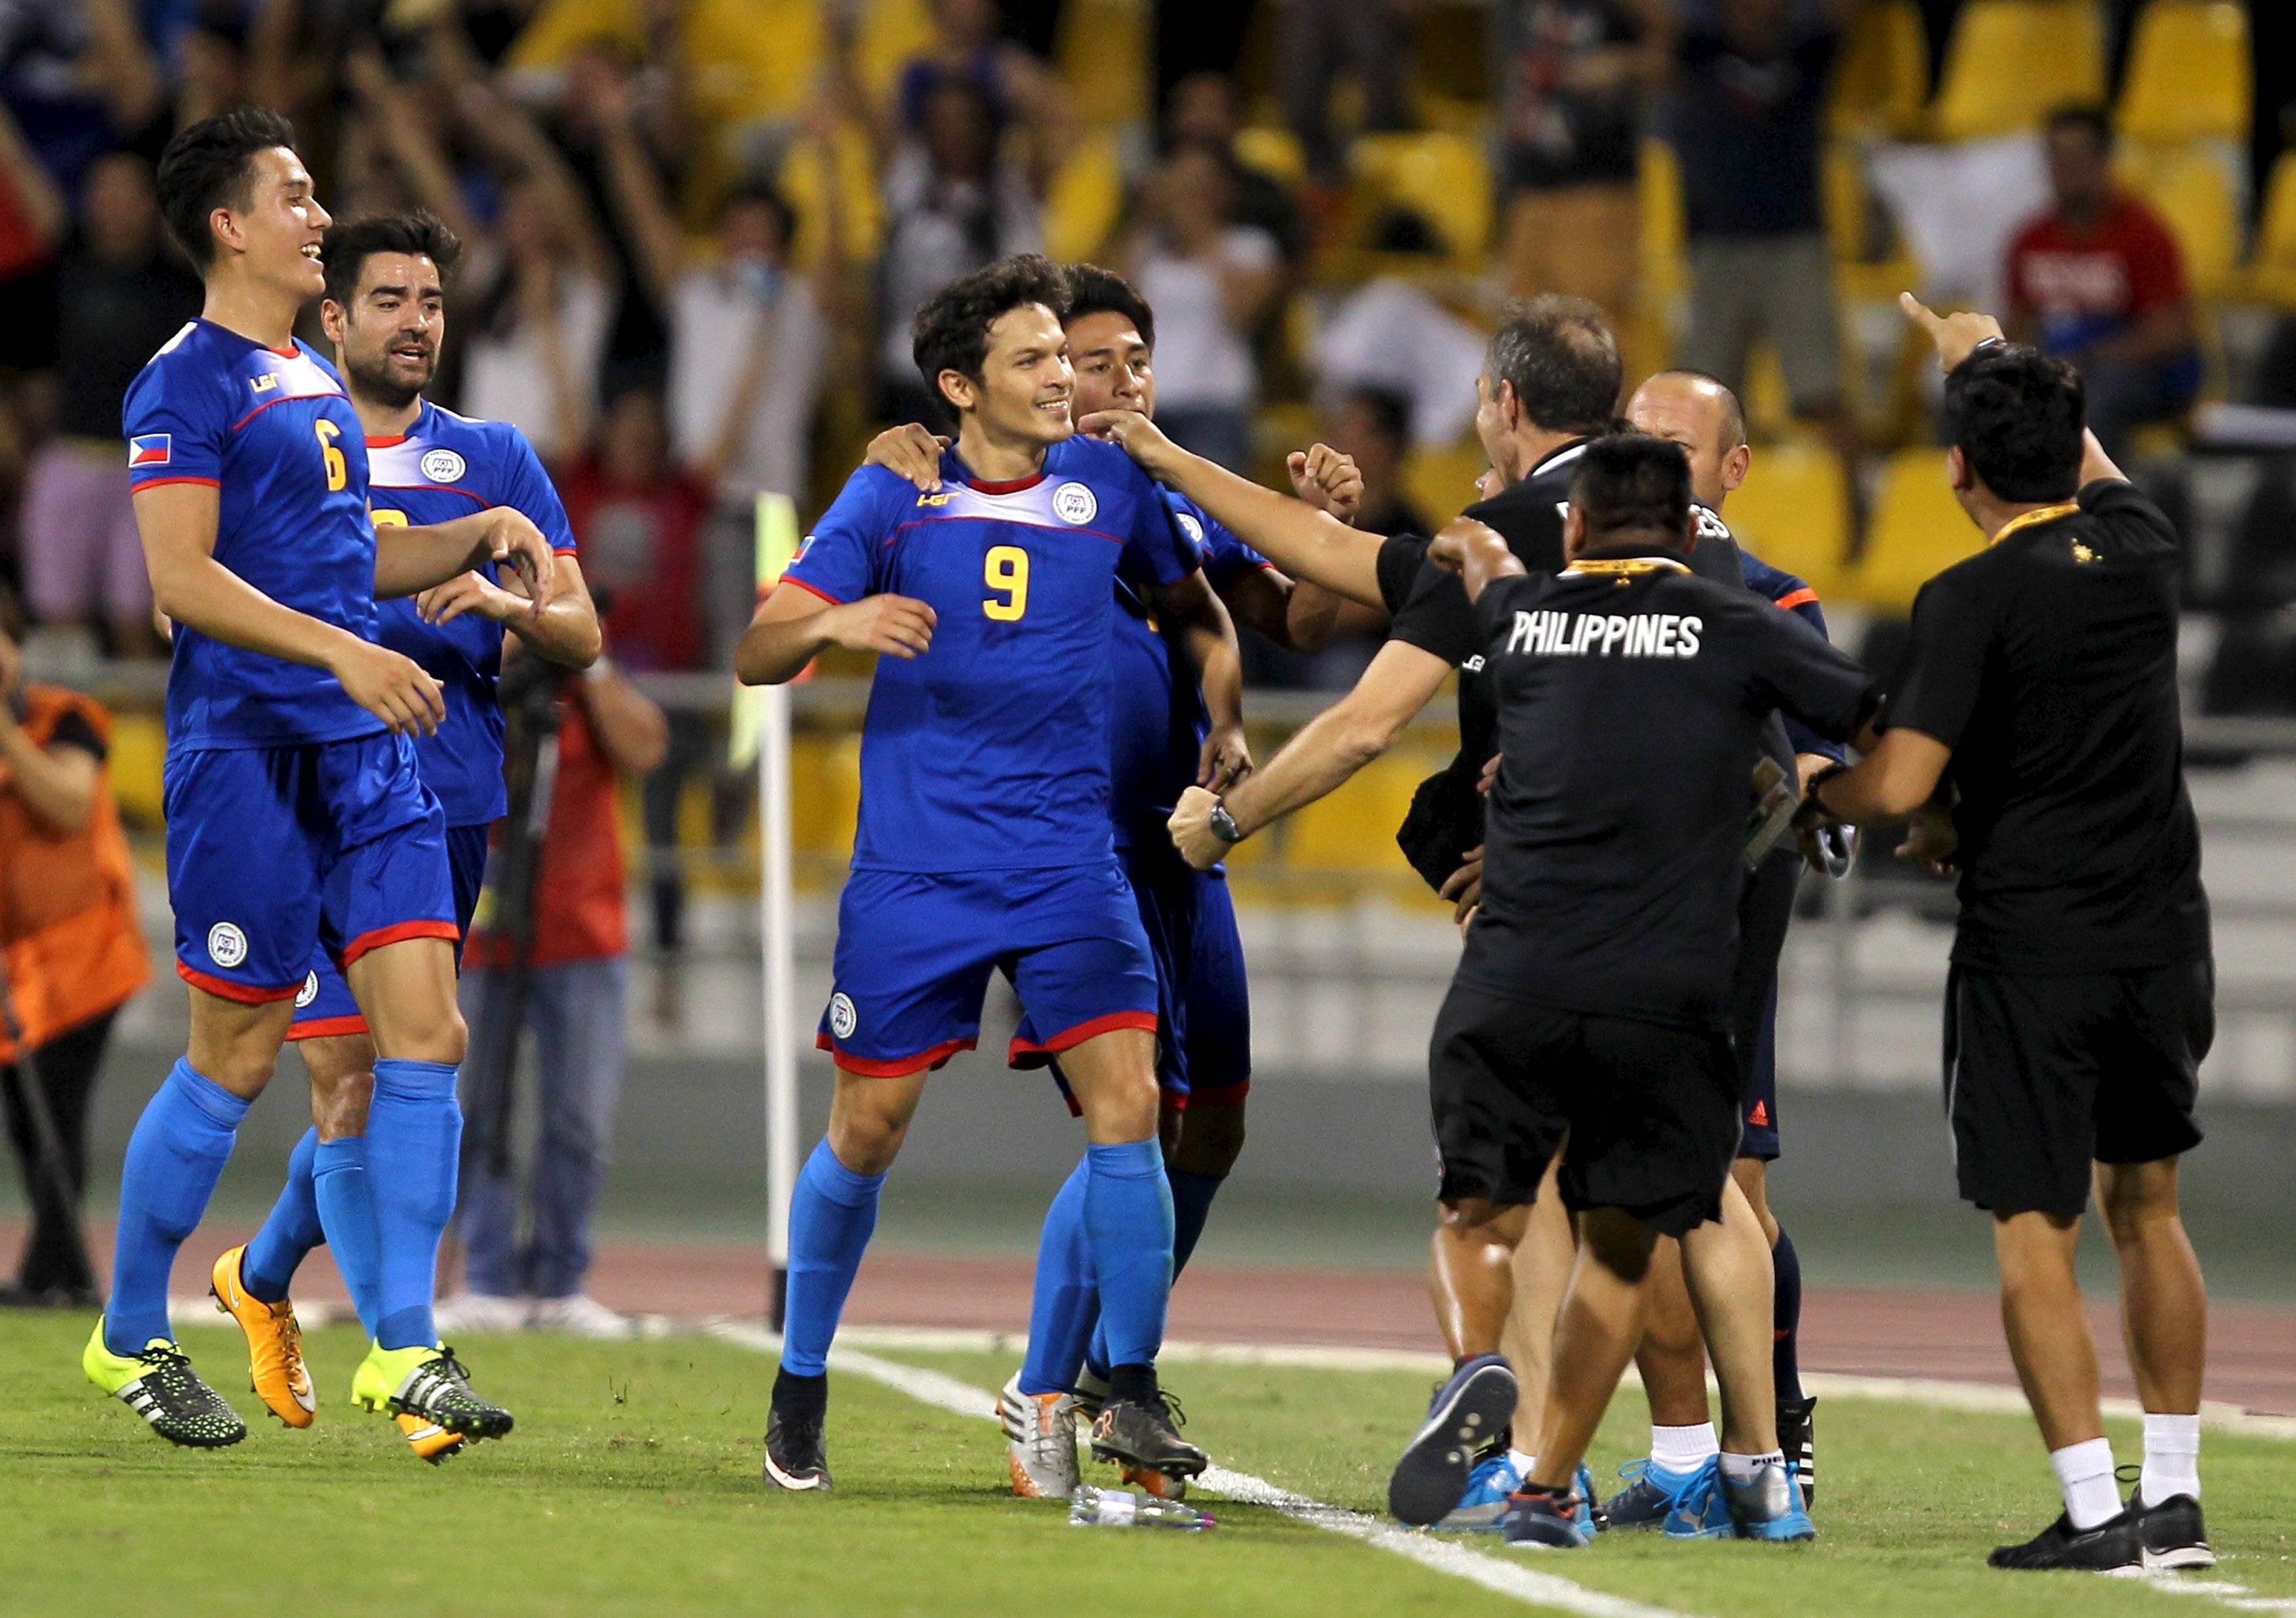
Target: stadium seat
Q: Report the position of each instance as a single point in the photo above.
(892, 32)
(559, 28)
(824, 792)
(2271, 276)
(802, 180)
(1665, 226)
(138, 756)
(1441, 482)
(1793, 512)
(2011, 62)
(752, 60)
(1106, 51)
(1354, 828)
(1918, 531)
(1883, 74)
(1445, 178)
(1274, 152)
(2188, 187)
(2188, 76)
(1087, 200)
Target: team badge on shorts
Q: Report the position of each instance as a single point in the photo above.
(443, 466)
(1073, 503)
(226, 944)
(308, 993)
(842, 1018)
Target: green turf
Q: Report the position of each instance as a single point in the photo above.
(632, 1487)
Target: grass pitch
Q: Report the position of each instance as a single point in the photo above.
(632, 1486)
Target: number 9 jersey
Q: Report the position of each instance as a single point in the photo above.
(271, 430)
(990, 751)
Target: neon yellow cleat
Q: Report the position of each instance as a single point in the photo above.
(429, 1384)
(159, 1385)
(274, 1344)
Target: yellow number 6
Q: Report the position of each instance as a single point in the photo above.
(337, 473)
(1006, 569)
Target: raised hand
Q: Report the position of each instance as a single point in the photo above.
(1955, 335)
(1327, 480)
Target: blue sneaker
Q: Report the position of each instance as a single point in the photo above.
(1769, 1507)
(1700, 1511)
(1485, 1502)
(1583, 1512)
(1650, 1497)
(1467, 1411)
(1544, 1522)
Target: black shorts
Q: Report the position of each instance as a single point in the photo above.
(1765, 911)
(1651, 1108)
(2048, 1074)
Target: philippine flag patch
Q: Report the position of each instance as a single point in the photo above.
(152, 449)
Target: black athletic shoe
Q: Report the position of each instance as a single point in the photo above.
(159, 1385)
(1432, 1472)
(1544, 1521)
(1798, 1437)
(797, 1455)
(2112, 1546)
(1145, 1434)
(2171, 1534)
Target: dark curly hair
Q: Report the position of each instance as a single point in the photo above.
(208, 165)
(2017, 417)
(1093, 290)
(418, 230)
(951, 331)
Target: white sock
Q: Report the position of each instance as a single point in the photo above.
(2085, 1473)
(1522, 1462)
(1742, 1469)
(1680, 1449)
(2172, 1457)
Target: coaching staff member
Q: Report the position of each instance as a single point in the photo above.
(1593, 998)
(2040, 693)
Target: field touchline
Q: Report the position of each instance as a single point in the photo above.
(1504, 1577)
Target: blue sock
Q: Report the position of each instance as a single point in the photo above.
(345, 1202)
(173, 1159)
(1066, 1304)
(1127, 1222)
(290, 1231)
(1785, 1318)
(414, 1145)
(1191, 1205)
(832, 1214)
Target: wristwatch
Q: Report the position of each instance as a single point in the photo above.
(1223, 825)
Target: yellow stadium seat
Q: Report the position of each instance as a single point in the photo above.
(2188, 187)
(1441, 482)
(1354, 828)
(2188, 76)
(2013, 62)
(891, 33)
(1106, 51)
(2271, 275)
(825, 793)
(1444, 177)
(805, 182)
(1918, 531)
(1665, 224)
(751, 59)
(559, 28)
(1274, 152)
(1883, 76)
(138, 757)
(1087, 200)
(1793, 512)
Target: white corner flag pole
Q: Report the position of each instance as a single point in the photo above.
(761, 721)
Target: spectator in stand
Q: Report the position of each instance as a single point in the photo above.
(1320, 39)
(1210, 282)
(575, 988)
(74, 954)
(1572, 78)
(638, 517)
(2097, 280)
(121, 296)
(1749, 126)
(1204, 112)
(969, 46)
(1372, 426)
(953, 204)
(747, 342)
(79, 81)
(33, 219)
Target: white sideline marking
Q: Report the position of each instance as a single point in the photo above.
(1505, 1577)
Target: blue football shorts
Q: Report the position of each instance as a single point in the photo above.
(324, 1008)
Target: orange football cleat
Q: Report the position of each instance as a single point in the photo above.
(429, 1440)
(274, 1344)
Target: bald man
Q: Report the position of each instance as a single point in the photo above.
(1700, 414)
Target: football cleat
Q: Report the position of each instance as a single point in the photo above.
(1545, 1521)
(1489, 1488)
(2171, 1534)
(429, 1440)
(1650, 1497)
(1798, 1437)
(274, 1344)
(1430, 1476)
(429, 1384)
(159, 1385)
(1143, 1436)
(1040, 1434)
(1160, 1485)
(796, 1457)
(1769, 1505)
(2114, 1545)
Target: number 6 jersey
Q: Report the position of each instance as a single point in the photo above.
(272, 432)
(990, 751)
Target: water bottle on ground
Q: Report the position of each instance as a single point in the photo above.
(1091, 1508)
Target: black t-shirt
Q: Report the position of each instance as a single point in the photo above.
(1749, 127)
(2048, 663)
(111, 320)
(1633, 695)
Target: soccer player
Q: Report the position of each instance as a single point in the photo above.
(2042, 687)
(1703, 416)
(385, 313)
(295, 817)
(985, 840)
(1159, 722)
(1592, 1001)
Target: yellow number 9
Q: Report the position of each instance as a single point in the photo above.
(390, 520)
(1006, 570)
(337, 473)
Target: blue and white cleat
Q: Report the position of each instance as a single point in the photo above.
(1585, 1513)
(1650, 1497)
(1480, 1508)
(1545, 1521)
(1700, 1511)
(1769, 1507)
(1430, 1476)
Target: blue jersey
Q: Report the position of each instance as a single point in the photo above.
(271, 430)
(448, 466)
(1782, 588)
(1156, 718)
(990, 751)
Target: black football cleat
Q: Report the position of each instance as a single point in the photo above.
(1798, 1437)
(2111, 1547)
(797, 1455)
(2171, 1534)
(1142, 1434)
(1432, 1474)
